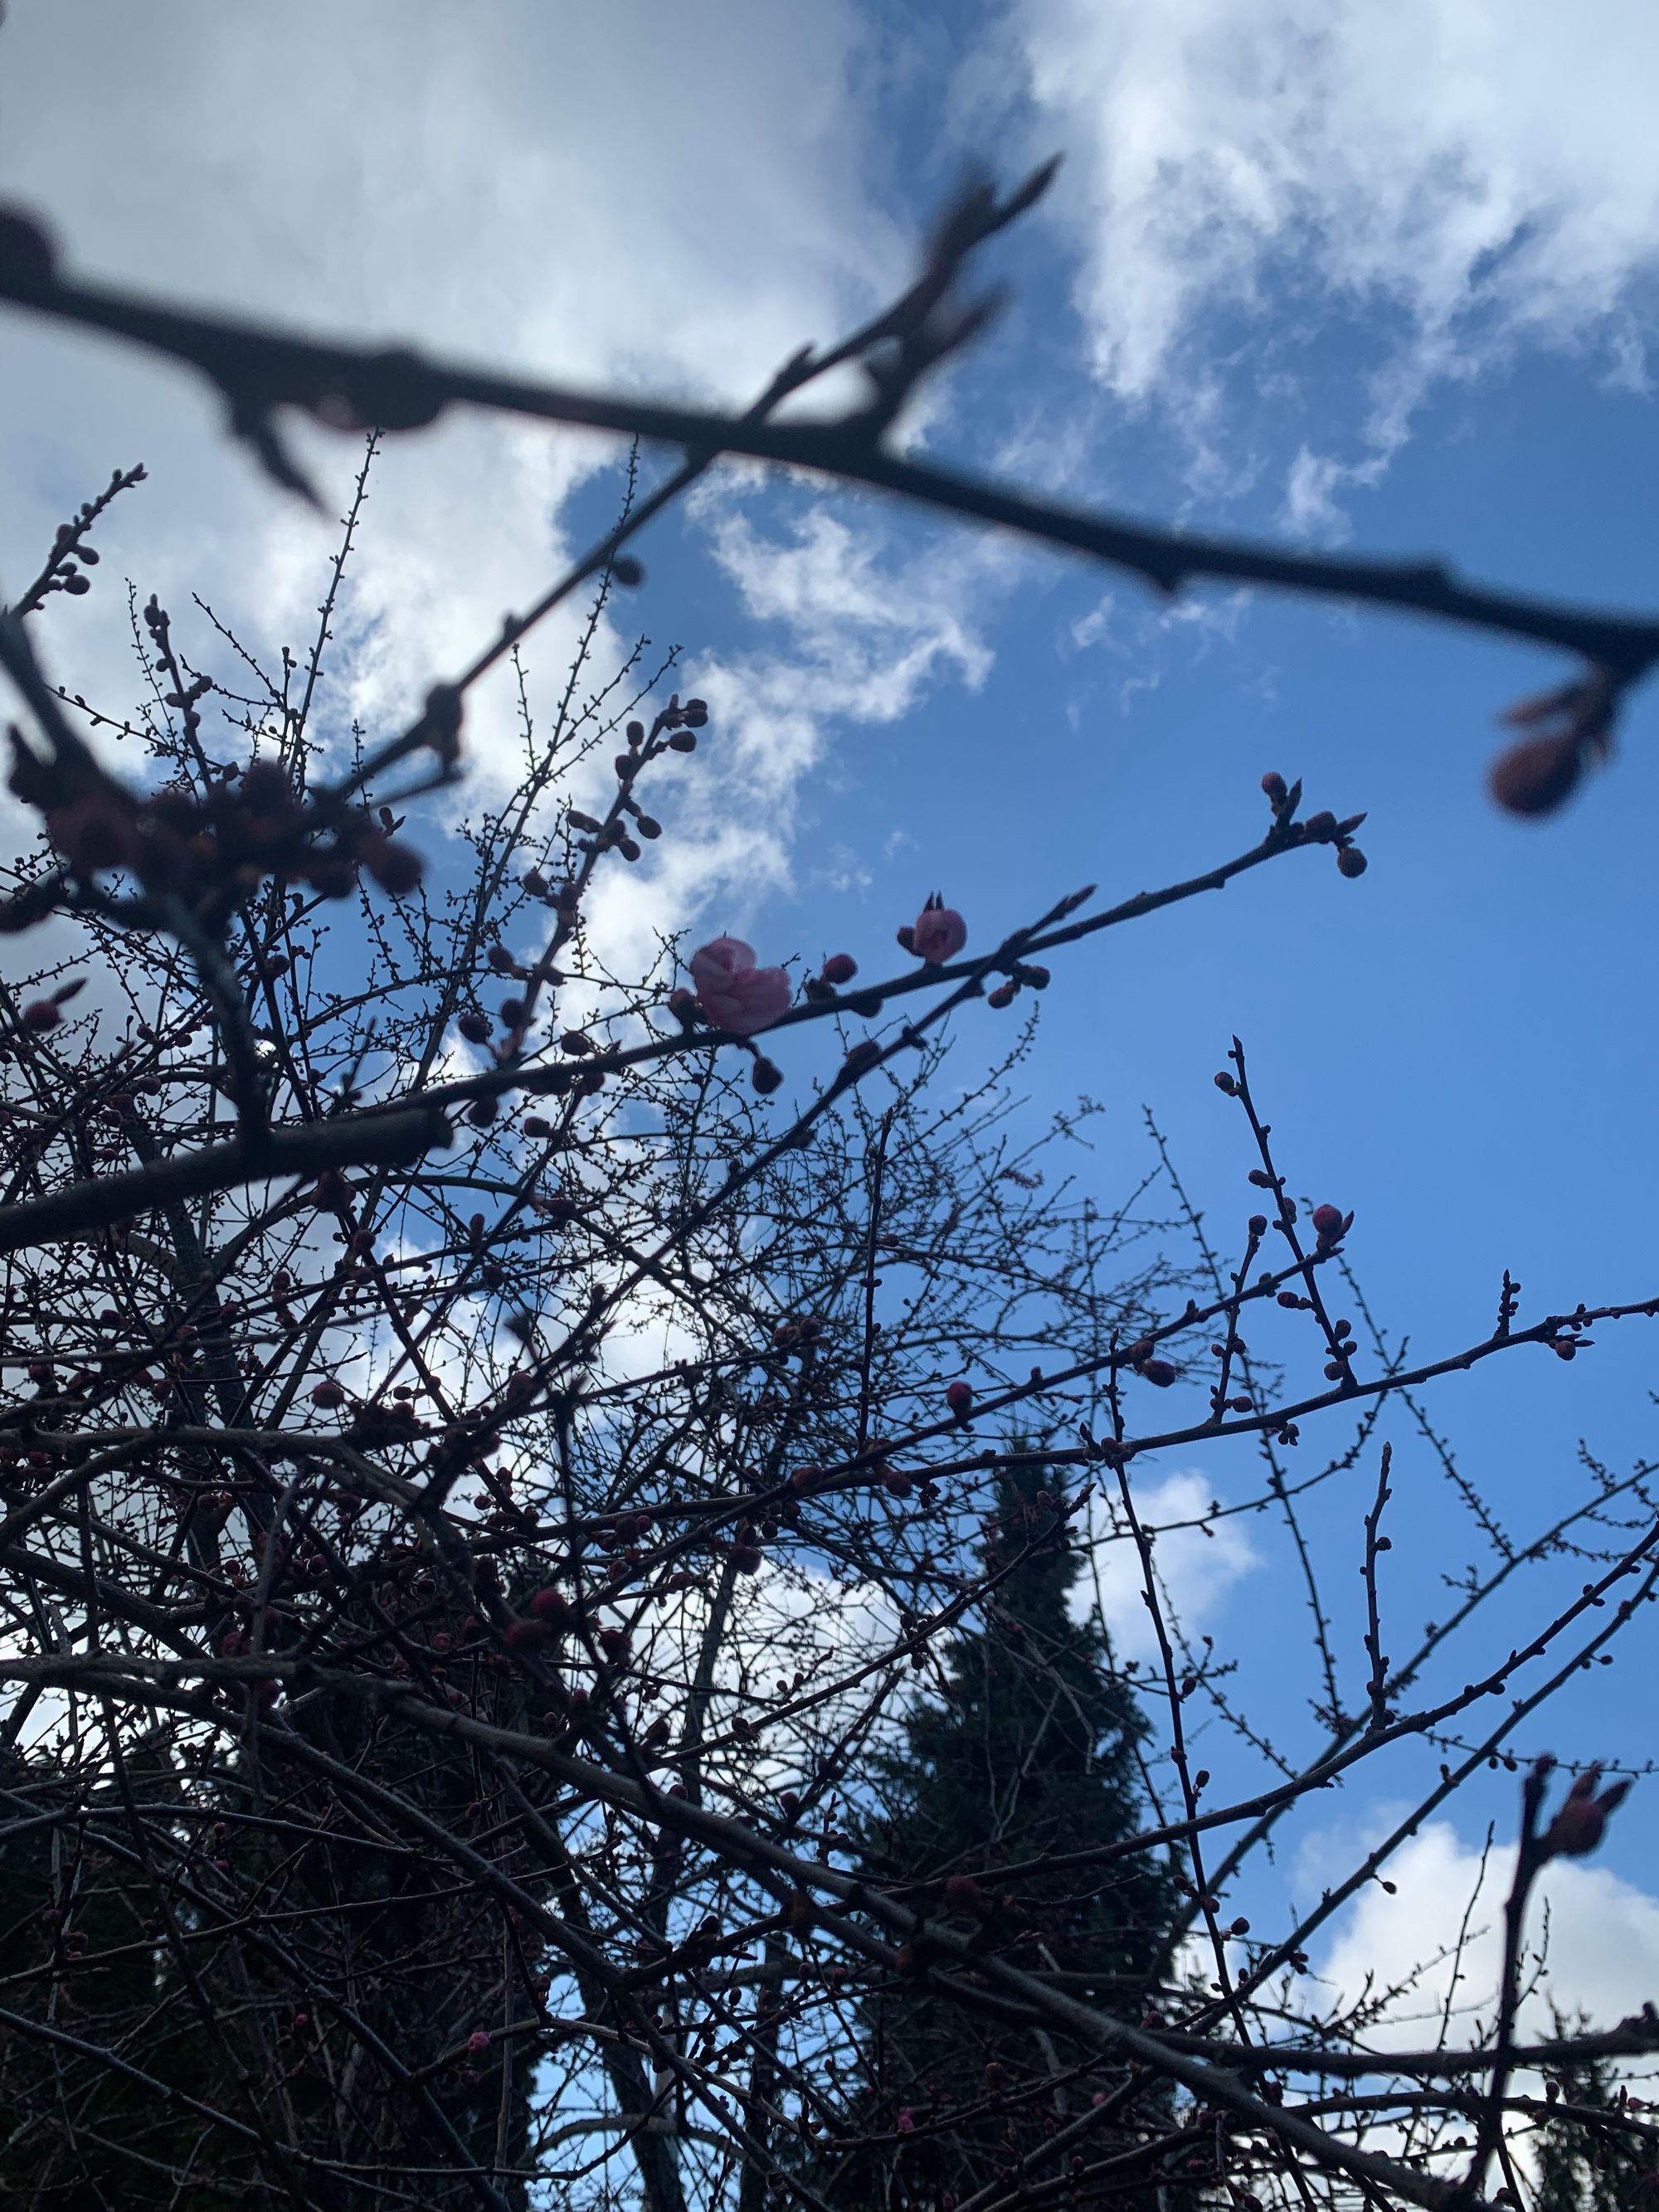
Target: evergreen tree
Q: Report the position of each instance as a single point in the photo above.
(1583, 2167)
(1029, 1755)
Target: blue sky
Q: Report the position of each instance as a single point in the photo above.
(1327, 270)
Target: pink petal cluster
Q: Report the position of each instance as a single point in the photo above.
(737, 995)
(940, 934)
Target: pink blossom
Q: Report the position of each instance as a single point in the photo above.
(477, 2042)
(940, 934)
(907, 2119)
(737, 995)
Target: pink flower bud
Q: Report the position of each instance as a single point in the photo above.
(940, 933)
(840, 968)
(959, 1397)
(478, 2042)
(1579, 1826)
(1159, 1372)
(1326, 1220)
(328, 1395)
(736, 994)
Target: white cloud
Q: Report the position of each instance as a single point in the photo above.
(1475, 173)
(1198, 1559)
(853, 632)
(582, 197)
(1602, 1953)
(577, 195)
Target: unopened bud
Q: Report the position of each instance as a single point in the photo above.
(1537, 775)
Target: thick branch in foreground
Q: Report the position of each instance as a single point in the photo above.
(355, 1141)
(257, 369)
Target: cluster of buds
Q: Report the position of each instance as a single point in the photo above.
(250, 823)
(68, 546)
(1320, 829)
(1146, 1364)
(1023, 974)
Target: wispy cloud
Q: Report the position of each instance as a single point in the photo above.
(1458, 176)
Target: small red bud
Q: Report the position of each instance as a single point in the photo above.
(1159, 1372)
(1351, 861)
(1326, 1220)
(1537, 775)
(959, 1397)
(840, 968)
